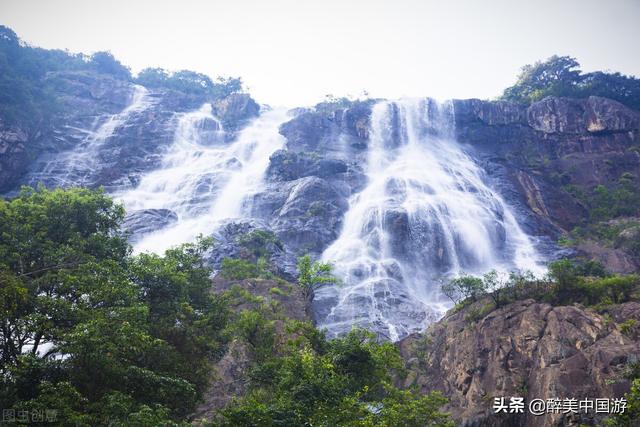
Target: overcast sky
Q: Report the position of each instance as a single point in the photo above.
(294, 52)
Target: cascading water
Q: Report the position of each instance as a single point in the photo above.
(426, 214)
(76, 167)
(203, 179)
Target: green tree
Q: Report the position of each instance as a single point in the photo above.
(311, 275)
(557, 76)
(631, 415)
(624, 89)
(189, 82)
(88, 329)
(561, 76)
(152, 77)
(464, 287)
(343, 382)
(106, 63)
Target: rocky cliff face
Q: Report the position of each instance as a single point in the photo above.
(554, 145)
(532, 153)
(84, 101)
(525, 349)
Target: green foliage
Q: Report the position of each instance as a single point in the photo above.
(567, 283)
(631, 415)
(588, 284)
(313, 274)
(28, 83)
(238, 269)
(561, 76)
(624, 89)
(189, 82)
(557, 76)
(463, 288)
(255, 329)
(105, 63)
(466, 289)
(23, 96)
(628, 327)
(277, 291)
(621, 200)
(259, 242)
(342, 382)
(476, 313)
(86, 327)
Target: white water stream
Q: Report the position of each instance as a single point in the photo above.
(203, 179)
(76, 167)
(426, 214)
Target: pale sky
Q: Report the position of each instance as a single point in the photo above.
(294, 52)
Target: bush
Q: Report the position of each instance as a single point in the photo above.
(628, 327)
(255, 329)
(567, 283)
(238, 269)
(259, 243)
(631, 416)
(463, 288)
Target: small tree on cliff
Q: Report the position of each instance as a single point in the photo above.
(463, 288)
(312, 275)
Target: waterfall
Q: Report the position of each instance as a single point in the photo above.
(426, 214)
(204, 179)
(77, 166)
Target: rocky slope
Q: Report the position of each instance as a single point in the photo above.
(525, 349)
(85, 99)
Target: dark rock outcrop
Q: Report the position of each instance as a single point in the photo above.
(525, 349)
(235, 109)
(550, 147)
(306, 214)
(228, 245)
(144, 221)
(331, 131)
(14, 157)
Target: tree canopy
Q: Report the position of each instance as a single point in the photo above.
(102, 337)
(189, 82)
(343, 382)
(561, 76)
(106, 338)
(28, 95)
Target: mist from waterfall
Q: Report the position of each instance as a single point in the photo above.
(77, 166)
(204, 179)
(426, 214)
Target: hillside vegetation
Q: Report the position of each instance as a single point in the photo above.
(107, 338)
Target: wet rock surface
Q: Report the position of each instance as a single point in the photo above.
(141, 222)
(526, 349)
